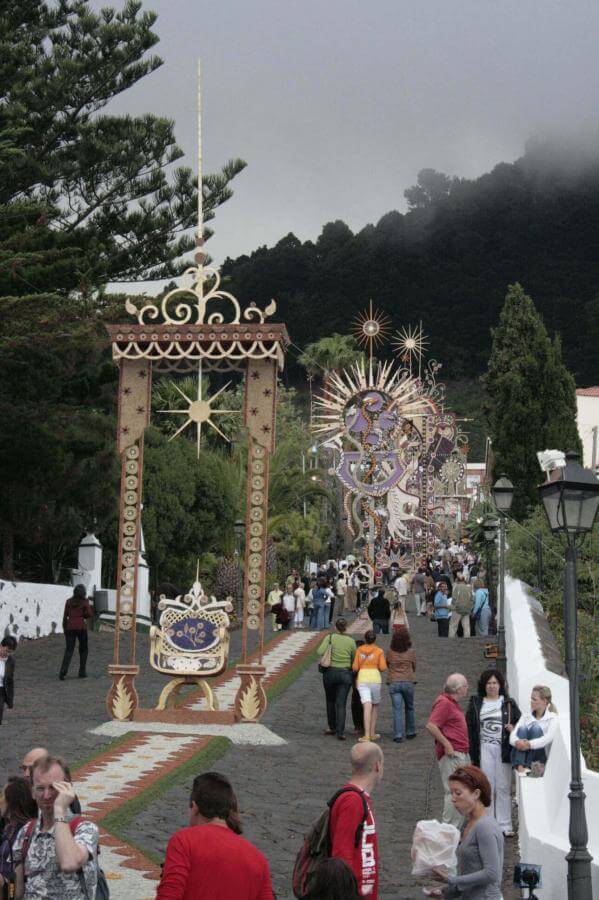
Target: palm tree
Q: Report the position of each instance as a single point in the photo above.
(330, 354)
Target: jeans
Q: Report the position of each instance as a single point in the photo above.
(526, 757)
(443, 627)
(380, 626)
(319, 615)
(402, 692)
(70, 638)
(483, 622)
(337, 685)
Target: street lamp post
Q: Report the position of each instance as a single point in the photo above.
(571, 500)
(490, 527)
(503, 494)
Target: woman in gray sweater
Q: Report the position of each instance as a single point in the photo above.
(480, 852)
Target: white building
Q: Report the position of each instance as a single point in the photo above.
(587, 403)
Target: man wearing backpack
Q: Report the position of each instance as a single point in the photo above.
(56, 854)
(353, 834)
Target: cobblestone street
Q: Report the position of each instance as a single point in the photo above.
(59, 715)
(281, 789)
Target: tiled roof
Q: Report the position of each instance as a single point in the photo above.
(588, 392)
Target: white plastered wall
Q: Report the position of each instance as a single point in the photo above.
(543, 802)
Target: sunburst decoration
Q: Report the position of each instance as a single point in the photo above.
(372, 327)
(404, 392)
(200, 411)
(410, 343)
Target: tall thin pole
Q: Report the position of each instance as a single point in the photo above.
(579, 859)
(200, 231)
(501, 660)
(304, 474)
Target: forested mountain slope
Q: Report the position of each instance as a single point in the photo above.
(449, 259)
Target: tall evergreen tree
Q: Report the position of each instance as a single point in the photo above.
(531, 398)
(86, 198)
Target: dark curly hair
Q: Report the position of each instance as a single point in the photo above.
(485, 677)
(401, 640)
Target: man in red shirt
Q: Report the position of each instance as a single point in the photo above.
(208, 860)
(447, 724)
(353, 839)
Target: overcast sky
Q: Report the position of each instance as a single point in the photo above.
(336, 104)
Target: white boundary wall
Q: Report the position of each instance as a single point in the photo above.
(32, 610)
(543, 802)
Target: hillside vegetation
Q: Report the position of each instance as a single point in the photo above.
(449, 259)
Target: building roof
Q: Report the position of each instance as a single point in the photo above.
(587, 392)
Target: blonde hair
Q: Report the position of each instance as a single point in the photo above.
(545, 694)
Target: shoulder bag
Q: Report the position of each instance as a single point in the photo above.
(326, 658)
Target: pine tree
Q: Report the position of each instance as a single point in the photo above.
(86, 198)
(531, 403)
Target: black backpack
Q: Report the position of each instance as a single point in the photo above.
(317, 843)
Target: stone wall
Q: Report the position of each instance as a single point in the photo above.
(543, 802)
(32, 610)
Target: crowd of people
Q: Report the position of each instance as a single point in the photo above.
(448, 588)
(49, 849)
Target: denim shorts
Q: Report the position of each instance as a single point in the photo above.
(370, 692)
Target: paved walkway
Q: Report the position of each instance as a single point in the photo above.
(282, 789)
(282, 784)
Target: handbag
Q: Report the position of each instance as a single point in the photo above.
(326, 658)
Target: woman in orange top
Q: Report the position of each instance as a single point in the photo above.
(369, 662)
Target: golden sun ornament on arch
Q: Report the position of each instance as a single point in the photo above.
(200, 411)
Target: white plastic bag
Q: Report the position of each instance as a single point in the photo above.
(434, 844)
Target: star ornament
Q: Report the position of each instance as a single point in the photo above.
(371, 327)
(410, 342)
(200, 412)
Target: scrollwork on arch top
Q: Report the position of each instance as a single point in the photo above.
(189, 305)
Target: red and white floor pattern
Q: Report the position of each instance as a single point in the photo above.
(152, 750)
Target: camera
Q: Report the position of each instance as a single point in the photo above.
(528, 875)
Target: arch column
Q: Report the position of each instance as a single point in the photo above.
(260, 420)
(135, 386)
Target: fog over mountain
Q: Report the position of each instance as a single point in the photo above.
(336, 106)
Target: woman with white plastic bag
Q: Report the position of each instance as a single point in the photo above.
(434, 844)
(480, 851)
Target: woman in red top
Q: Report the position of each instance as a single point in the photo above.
(74, 624)
(209, 860)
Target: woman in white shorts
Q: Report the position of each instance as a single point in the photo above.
(369, 662)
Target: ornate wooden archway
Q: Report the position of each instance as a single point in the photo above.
(192, 326)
